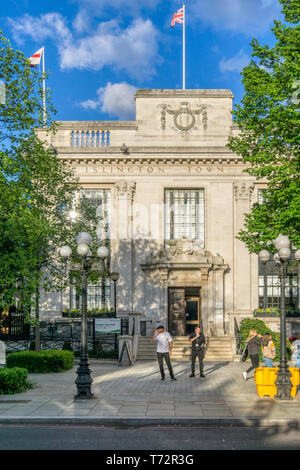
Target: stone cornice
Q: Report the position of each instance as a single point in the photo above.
(119, 159)
(150, 93)
(176, 151)
(93, 125)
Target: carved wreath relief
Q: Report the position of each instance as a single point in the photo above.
(184, 118)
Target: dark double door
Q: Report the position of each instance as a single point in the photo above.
(184, 310)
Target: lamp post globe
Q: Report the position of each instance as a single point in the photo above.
(264, 256)
(282, 241)
(65, 251)
(284, 253)
(103, 252)
(84, 237)
(115, 276)
(83, 249)
(297, 255)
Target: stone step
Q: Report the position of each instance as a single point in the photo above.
(219, 349)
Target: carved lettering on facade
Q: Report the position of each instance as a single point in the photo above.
(149, 170)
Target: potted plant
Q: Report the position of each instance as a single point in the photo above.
(91, 313)
(266, 312)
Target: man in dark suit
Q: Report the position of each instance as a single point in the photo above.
(198, 342)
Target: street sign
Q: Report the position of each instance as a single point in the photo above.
(107, 325)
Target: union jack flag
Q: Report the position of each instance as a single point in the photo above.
(178, 17)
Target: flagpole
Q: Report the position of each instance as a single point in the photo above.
(183, 50)
(44, 89)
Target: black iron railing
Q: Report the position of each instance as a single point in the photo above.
(238, 338)
(58, 335)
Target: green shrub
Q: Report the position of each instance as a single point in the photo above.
(254, 324)
(42, 362)
(14, 380)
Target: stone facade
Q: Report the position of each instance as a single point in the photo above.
(177, 141)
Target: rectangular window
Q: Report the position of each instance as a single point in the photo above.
(101, 199)
(184, 214)
(98, 294)
(273, 287)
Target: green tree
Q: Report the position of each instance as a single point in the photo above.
(23, 108)
(269, 138)
(34, 185)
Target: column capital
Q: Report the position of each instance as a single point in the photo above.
(243, 191)
(126, 188)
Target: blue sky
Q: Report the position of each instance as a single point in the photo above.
(98, 52)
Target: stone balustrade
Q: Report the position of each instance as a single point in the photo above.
(90, 138)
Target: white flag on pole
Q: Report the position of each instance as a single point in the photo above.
(35, 59)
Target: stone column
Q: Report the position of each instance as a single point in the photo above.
(125, 191)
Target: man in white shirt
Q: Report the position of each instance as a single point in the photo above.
(164, 350)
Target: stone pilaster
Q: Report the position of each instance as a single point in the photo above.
(242, 262)
(125, 193)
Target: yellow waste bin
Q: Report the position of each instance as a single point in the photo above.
(265, 378)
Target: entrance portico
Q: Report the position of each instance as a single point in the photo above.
(192, 282)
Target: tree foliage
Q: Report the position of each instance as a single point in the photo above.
(34, 182)
(269, 138)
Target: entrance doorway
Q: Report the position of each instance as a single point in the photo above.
(184, 310)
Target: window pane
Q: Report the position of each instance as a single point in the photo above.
(98, 296)
(101, 199)
(184, 214)
(273, 287)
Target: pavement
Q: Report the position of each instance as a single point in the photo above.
(134, 396)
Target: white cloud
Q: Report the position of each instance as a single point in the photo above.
(115, 99)
(50, 25)
(240, 16)
(235, 63)
(133, 50)
(81, 22)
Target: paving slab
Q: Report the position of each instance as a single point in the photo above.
(135, 394)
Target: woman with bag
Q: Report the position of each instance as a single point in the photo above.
(253, 344)
(268, 350)
(296, 351)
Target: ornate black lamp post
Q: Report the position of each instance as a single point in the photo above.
(115, 277)
(264, 257)
(283, 381)
(84, 380)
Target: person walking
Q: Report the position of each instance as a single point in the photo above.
(254, 343)
(198, 342)
(296, 351)
(164, 350)
(268, 350)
